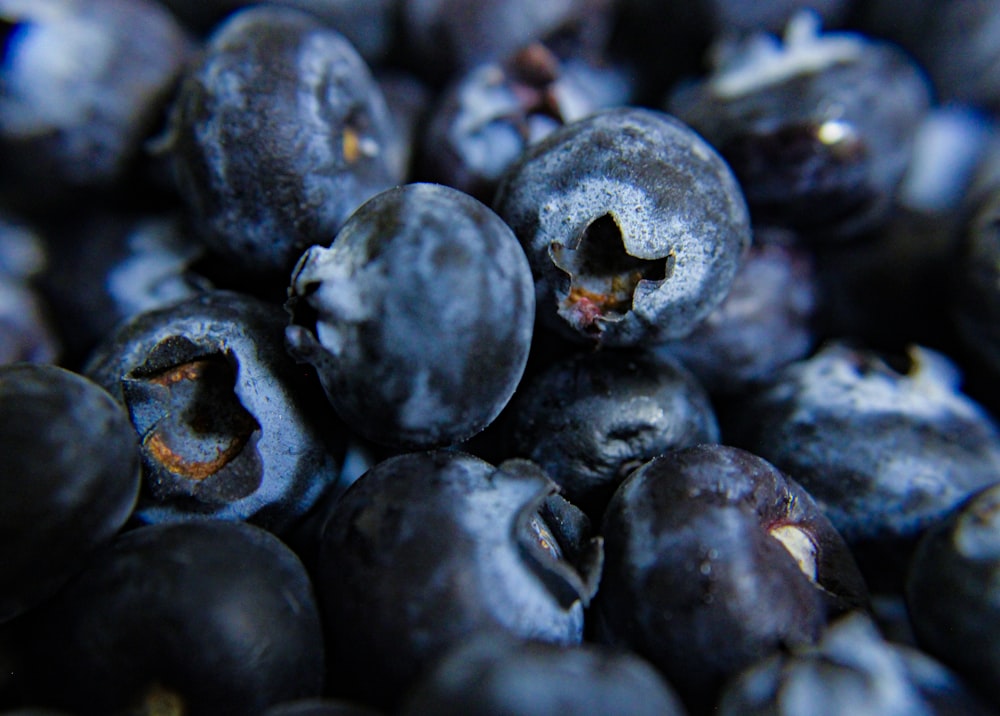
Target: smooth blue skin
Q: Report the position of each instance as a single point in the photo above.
(69, 482)
(83, 86)
(278, 133)
(695, 581)
(221, 616)
(660, 195)
(294, 451)
(427, 549)
(418, 318)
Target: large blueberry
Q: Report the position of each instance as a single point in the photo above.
(714, 560)
(633, 224)
(418, 318)
(886, 451)
(428, 549)
(69, 481)
(278, 133)
(230, 427)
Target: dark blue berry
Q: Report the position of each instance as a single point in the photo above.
(418, 318)
(279, 132)
(69, 481)
(590, 420)
(196, 618)
(818, 127)
(428, 549)
(713, 560)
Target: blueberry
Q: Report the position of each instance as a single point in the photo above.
(818, 127)
(70, 478)
(484, 120)
(278, 133)
(713, 560)
(491, 676)
(590, 420)
(428, 549)
(767, 320)
(851, 670)
(952, 590)
(886, 451)
(634, 226)
(230, 427)
(196, 618)
(418, 318)
(83, 85)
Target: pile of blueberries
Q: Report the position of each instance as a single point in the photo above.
(509, 357)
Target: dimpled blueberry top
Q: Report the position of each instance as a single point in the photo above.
(634, 226)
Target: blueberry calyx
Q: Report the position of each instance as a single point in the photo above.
(196, 436)
(603, 275)
(555, 538)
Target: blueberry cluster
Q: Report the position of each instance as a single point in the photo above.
(499, 358)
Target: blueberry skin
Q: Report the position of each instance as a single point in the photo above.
(77, 117)
(851, 671)
(713, 560)
(885, 452)
(230, 427)
(818, 128)
(278, 133)
(204, 617)
(952, 591)
(70, 479)
(634, 226)
(491, 676)
(590, 420)
(427, 549)
(766, 321)
(418, 318)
